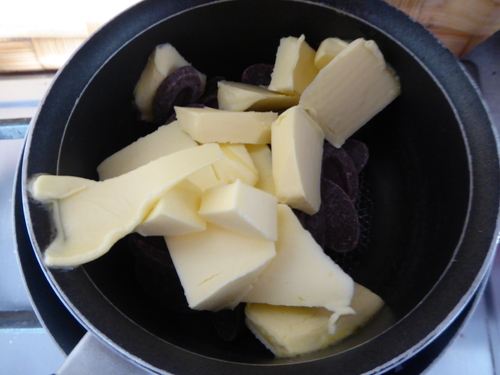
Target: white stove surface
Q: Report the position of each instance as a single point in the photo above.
(27, 348)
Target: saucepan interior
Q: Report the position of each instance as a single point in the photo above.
(423, 184)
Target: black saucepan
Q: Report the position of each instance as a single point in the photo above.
(431, 184)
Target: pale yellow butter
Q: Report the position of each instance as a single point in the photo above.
(297, 149)
(238, 165)
(327, 50)
(206, 125)
(175, 213)
(262, 160)
(290, 331)
(217, 267)
(164, 141)
(236, 96)
(163, 61)
(90, 221)
(350, 90)
(205, 178)
(241, 208)
(301, 274)
(48, 188)
(294, 67)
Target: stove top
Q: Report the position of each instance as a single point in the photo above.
(471, 345)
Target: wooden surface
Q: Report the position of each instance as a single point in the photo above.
(459, 24)
(41, 36)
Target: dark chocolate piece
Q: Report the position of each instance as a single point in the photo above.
(338, 167)
(156, 273)
(179, 88)
(358, 151)
(211, 101)
(315, 224)
(335, 227)
(342, 229)
(209, 97)
(258, 74)
(212, 87)
(229, 323)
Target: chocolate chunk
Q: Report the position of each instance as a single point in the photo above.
(228, 323)
(315, 224)
(335, 227)
(258, 74)
(172, 118)
(209, 97)
(156, 273)
(338, 167)
(358, 151)
(179, 88)
(342, 229)
(211, 88)
(211, 101)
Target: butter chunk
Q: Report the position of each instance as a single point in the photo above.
(297, 149)
(238, 165)
(175, 213)
(89, 222)
(294, 67)
(301, 274)
(327, 50)
(163, 61)
(350, 90)
(290, 331)
(243, 209)
(236, 96)
(46, 188)
(217, 267)
(166, 140)
(262, 160)
(206, 125)
(205, 178)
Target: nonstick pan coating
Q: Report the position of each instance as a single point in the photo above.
(431, 184)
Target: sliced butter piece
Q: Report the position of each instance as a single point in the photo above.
(290, 331)
(262, 159)
(217, 267)
(236, 96)
(238, 165)
(48, 188)
(163, 61)
(327, 50)
(294, 67)
(350, 90)
(176, 213)
(89, 222)
(301, 274)
(206, 125)
(297, 149)
(205, 178)
(243, 209)
(164, 141)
